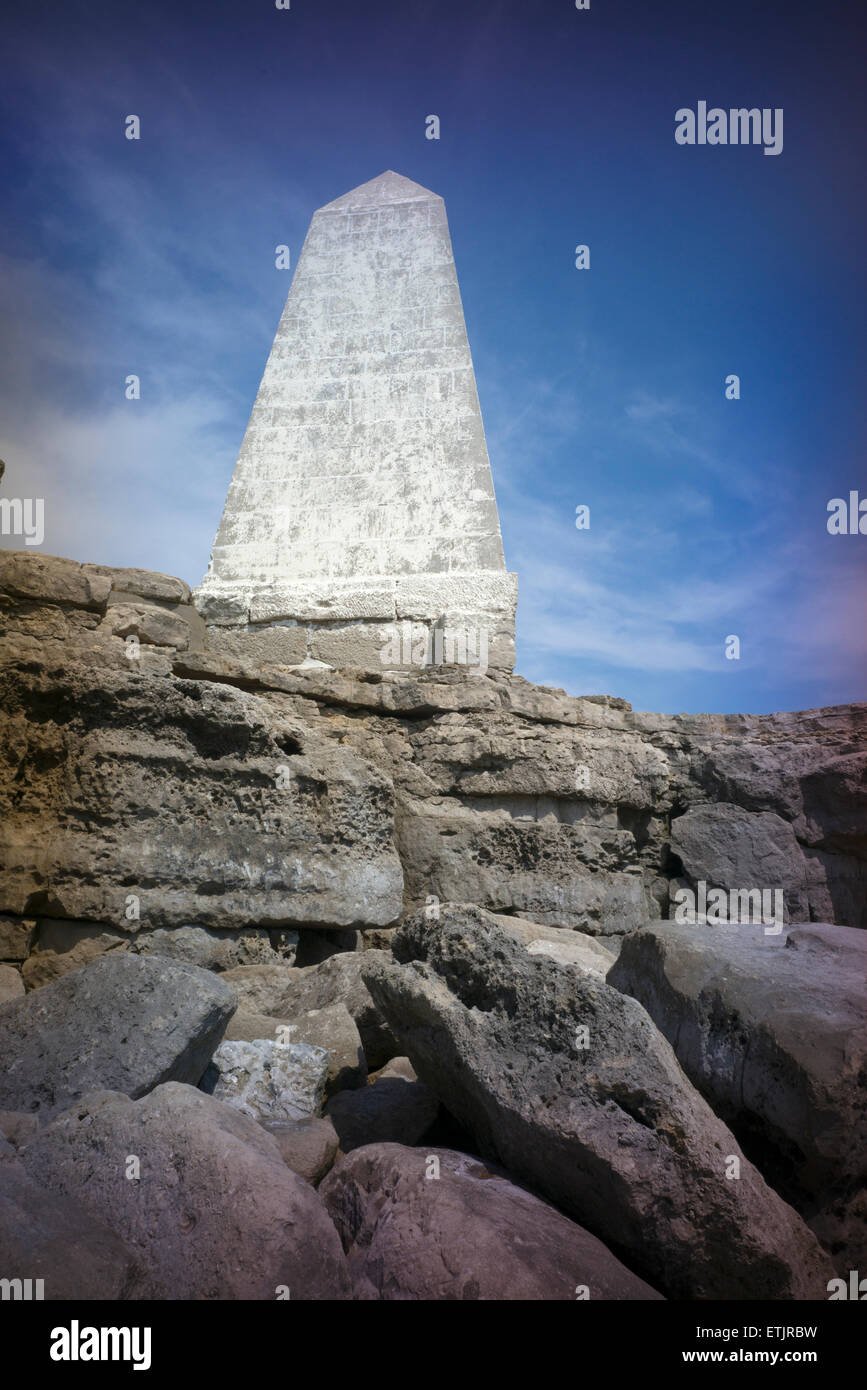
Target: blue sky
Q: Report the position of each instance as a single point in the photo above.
(602, 387)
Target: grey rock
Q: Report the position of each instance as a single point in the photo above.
(331, 1028)
(613, 1131)
(269, 1081)
(563, 873)
(215, 1212)
(729, 847)
(123, 1022)
(466, 1233)
(771, 1029)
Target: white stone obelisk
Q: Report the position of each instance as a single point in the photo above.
(361, 514)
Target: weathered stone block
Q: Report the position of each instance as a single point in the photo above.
(324, 602)
(144, 583)
(269, 646)
(52, 579)
(151, 624)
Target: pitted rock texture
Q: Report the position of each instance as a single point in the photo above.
(332, 1028)
(57, 1240)
(132, 800)
(604, 1122)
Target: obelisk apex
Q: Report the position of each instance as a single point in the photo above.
(361, 516)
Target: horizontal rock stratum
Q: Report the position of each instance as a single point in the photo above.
(137, 763)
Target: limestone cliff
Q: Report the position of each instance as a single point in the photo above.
(141, 767)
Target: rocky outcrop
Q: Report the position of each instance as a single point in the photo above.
(442, 1225)
(214, 1212)
(569, 1085)
(731, 848)
(124, 1023)
(50, 606)
(193, 825)
(568, 812)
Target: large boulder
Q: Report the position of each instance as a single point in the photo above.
(562, 873)
(441, 1225)
(569, 1084)
(289, 993)
(214, 1212)
(125, 1023)
(772, 1029)
(56, 1239)
(269, 1081)
(732, 848)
